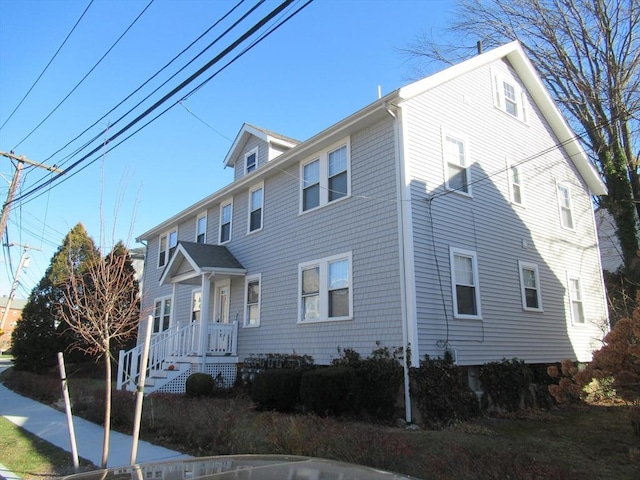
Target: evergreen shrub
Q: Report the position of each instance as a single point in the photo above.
(441, 392)
(506, 384)
(331, 390)
(200, 385)
(277, 389)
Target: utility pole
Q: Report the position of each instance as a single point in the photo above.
(15, 181)
(24, 263)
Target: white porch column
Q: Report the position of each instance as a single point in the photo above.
(174, 295)
(204, 318)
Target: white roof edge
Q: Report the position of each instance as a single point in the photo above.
(246, 128)
(520, 62)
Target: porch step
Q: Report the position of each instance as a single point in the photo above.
(170, 370)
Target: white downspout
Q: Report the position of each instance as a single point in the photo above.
(408, 332)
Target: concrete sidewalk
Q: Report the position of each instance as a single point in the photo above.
(51, 425)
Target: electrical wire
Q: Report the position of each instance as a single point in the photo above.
(86, 75)
(47, 66)
(152, 78)
(166, 97)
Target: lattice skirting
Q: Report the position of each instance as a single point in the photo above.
(225, 373)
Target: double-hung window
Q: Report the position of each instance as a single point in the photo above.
(575, 298)
(456, 164)
(252, 301)
(226, 214)
(201, 228)
(251, 160)
(530, 286)
(325, 289)
(167, 244)
(161, 314)
(564, 202)
(464, 283)
(516, 184)
(325, 178)
(256, 201)
(509, 97)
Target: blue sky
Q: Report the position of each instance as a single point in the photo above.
(322, 65)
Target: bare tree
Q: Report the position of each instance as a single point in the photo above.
(588, 54)
(101, 307)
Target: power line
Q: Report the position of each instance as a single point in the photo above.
(86, 75)
(149, 80)
(47, 66)
(166, 97)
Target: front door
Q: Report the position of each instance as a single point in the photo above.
(221, 312)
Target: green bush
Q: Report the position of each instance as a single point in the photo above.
(380, 377)
(441, 393)
(200, 385)
(276, 389)
(332, 390)
(506, 383)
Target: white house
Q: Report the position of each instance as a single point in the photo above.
(451, 214)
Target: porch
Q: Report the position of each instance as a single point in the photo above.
(179, 345)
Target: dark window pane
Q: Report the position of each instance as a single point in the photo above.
(225, 231)
(339, 303)
(466, 300)
(311, 197)
(531, 297)
(310, 280)
(252, 292)
(255, 221)
(338, 186)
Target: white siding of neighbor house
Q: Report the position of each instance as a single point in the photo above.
(499, 232)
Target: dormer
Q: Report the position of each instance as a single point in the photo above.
(254, 147)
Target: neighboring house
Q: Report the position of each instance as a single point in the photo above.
(452, 214)
(137, 261)
(12, 317)
(610, 250)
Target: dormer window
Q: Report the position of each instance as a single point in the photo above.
(251, 160)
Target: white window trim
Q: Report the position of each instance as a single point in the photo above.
(453, 252)
(530, 266)
(248, 280)
(166, 235)
(162, 301)
(572, 276)
(566, 185)
(323, 158)
(246, 157)
(324, 289)
(467, 158)
(512, 164)
(497, 81)
(249, 211)
(198, 218)
(222, 205)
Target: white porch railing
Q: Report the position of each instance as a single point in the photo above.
(175, 344)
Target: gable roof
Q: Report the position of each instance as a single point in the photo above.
(266, 135)
(202, 258)
(512, 52)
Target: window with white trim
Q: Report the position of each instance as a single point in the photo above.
(196, 305)
(167, 244)
(516, 184)
(509, 97)
(575, 298)
(325, 289)
(161, 314)
(464, 283)
(251, 160)
(326, 178)
(253, 294)
(256, 201)
(226, 214)
(456, 164)
(564, 203)
(201, 228)
(530, 286)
